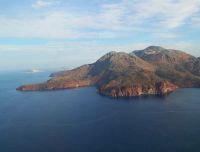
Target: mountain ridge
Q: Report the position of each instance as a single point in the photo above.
(152, 71)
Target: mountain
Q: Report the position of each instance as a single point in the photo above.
(175, 66)
(152, 71)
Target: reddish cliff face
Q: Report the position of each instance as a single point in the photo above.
(165, 87)
(160, 88)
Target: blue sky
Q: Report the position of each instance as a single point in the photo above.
(67, 33)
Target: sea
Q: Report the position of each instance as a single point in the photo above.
(81, 120)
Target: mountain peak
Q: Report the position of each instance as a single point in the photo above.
(107, 55)
(160, 55)
(150, 50)
(153, 47)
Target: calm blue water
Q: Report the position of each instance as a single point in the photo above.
(80, 120)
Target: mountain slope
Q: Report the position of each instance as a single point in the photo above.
(175, 66)
(151, 71)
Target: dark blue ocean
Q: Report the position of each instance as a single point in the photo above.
(81, 120)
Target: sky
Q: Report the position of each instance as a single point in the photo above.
(58, 34)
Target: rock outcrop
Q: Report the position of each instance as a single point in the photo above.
(162, 88)
(152, 71)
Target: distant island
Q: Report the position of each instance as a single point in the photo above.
(33, 71)
(152, 71)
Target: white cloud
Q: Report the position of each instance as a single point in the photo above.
(195, 22)
(110, 20)
(165, 35)
(180, 11)
(165, 13)
(44, 3)
(54, 25)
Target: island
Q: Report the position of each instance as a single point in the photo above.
(152, 71)
(33, 71)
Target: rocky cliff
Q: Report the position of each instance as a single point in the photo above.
(161, 88)
(154, 70)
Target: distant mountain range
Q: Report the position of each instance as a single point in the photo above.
(152, 71)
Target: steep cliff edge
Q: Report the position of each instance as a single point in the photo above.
(160, 88)
(151, 71)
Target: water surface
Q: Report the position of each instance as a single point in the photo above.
(80, 120)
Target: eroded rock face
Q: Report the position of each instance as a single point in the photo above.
(160, 88)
